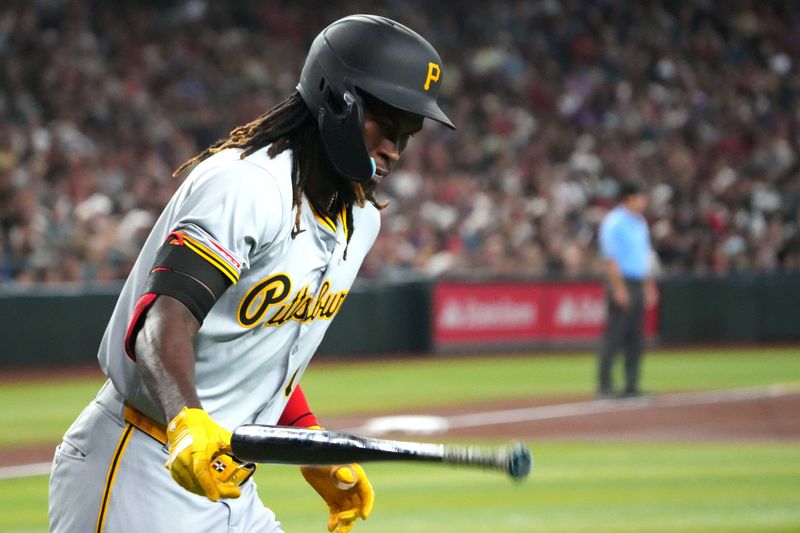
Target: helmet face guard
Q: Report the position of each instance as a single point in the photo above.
(372, 55)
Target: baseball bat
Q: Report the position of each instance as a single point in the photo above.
(289, 445)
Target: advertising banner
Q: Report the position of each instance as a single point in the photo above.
(521, 312)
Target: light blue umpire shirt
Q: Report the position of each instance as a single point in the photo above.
(624, 237)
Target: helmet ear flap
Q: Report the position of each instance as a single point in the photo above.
(341, 124)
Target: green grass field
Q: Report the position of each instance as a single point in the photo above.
(618, 486)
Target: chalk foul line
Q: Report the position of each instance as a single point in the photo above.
(19, 471)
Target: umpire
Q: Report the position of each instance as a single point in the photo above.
(626, 251)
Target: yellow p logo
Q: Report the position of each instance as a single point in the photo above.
(433, 75)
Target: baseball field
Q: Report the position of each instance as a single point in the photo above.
(715, 447)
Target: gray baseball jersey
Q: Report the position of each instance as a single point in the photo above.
(256, 342)
(251, 349)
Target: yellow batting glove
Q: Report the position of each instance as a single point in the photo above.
(346, 490)
(197, 445)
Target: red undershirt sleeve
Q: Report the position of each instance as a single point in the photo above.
(297, 412)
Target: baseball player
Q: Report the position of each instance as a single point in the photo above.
(232, 294)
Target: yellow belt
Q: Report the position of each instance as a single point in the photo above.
(143, 422)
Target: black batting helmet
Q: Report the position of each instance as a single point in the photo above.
(377, 56)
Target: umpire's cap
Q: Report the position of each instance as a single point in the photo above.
(376, 56)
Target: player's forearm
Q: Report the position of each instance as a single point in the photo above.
(166, 356)
(613, 274)
(650, 291)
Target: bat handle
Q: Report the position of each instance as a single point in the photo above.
(515, 459)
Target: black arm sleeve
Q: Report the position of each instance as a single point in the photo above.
(186, 276)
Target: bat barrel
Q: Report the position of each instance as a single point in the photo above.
(284, 445)
(297, 446)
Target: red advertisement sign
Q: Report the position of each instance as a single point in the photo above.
(506, 313)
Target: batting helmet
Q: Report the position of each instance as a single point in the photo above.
(377, 56)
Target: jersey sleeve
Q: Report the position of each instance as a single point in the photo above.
(608, 241)
(229, 213)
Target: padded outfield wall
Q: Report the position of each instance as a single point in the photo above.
(63, 325)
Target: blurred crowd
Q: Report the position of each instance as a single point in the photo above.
(556, 102)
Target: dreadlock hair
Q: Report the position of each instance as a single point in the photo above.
(291, 126)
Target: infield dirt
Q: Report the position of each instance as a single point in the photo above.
(772, 417)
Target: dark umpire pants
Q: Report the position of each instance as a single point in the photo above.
(624, 331)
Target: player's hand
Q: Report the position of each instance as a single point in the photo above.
(346, 490)
(196, 445)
